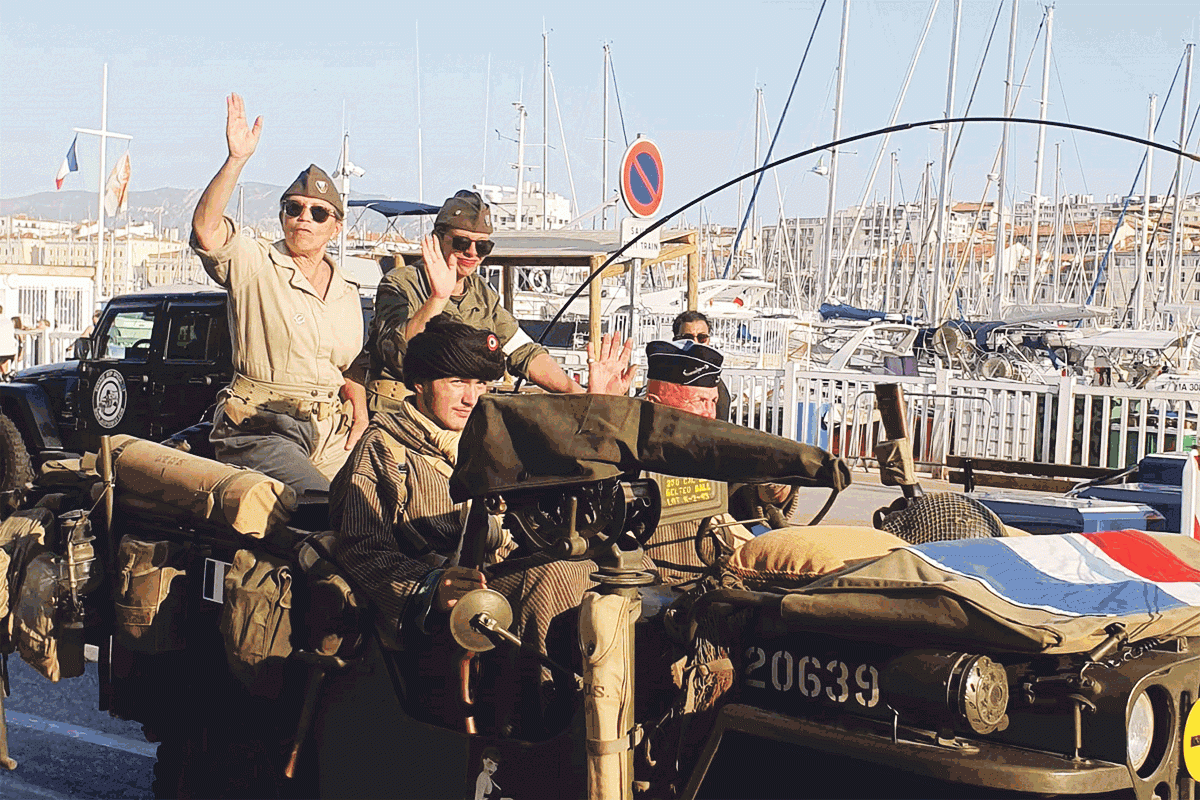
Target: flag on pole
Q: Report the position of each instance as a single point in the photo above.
(70, 164)
(116, 189)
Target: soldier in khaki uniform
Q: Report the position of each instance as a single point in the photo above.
(410, 296)
(295, 408)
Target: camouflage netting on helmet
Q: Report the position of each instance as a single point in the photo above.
(941, 516)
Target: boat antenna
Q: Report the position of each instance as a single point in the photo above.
(774, 138)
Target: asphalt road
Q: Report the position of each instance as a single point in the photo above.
(65, 748)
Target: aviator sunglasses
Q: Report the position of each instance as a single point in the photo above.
(702, 338)
(294, 209)
(462, 244)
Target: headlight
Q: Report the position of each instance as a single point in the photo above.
(1140, 732)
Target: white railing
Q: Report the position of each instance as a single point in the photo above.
(44, 347)
(1062, 422)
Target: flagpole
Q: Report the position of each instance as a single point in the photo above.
(104, 133)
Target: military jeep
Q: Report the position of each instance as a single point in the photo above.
(153, 364)
(1049, 665)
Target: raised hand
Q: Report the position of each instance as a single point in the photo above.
(242, 139)
(609, 371)
(442, 276)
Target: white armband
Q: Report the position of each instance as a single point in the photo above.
(519, 339)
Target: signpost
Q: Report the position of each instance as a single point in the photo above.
(642, 178)
(642, 191)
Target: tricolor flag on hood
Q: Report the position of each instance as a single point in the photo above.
(69, 165)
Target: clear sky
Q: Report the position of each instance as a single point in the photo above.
(686, 74)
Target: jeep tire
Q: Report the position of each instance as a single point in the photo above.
(15, 470)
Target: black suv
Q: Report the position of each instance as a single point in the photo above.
(153, 365)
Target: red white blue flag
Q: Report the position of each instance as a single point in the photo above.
(1113, 573)
(69, 165)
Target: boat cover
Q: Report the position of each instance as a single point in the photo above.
(395, 208)
(1037, 594)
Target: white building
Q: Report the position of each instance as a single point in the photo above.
(503, 200)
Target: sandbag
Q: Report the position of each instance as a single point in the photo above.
(256, 620)
(156, 478)
(151, 595)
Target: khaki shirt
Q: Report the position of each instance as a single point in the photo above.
(283, 333)
(405, 289)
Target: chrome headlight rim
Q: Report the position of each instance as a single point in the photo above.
(1139, 731)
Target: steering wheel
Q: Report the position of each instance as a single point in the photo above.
(139, 343)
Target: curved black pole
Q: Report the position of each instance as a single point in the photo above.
(904, 126)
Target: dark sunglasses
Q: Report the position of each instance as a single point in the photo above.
(462, 244)
(702, 338)
(319, 214)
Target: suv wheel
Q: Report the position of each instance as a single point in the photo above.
(15, 470)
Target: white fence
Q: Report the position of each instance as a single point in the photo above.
(44, 347)
(1063, 422)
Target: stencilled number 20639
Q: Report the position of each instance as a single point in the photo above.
(833, 680)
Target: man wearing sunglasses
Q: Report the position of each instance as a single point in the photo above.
(446, 281)
(294, 408)
(694, 326)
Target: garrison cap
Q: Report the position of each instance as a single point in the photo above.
(465, 211)
(684, 362)
(315, 182)
(450, 349)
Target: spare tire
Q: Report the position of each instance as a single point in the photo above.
(16, 473)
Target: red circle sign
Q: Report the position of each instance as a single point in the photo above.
(642, 178)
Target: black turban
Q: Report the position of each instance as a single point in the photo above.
(449, 349)
(684, 362)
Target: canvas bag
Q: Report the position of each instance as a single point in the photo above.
(151, 595)
(256, 621)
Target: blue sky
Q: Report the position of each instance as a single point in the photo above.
(686, 72)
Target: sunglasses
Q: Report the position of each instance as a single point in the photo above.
(295, 208)
(463, 243)
(702, 338)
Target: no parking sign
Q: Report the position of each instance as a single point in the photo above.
(642, 178)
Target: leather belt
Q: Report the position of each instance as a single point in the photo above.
(394, 390)
(320, 403)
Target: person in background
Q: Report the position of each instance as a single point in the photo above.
(446, 280)
(694, 326)
(296, 404)
(8, 345)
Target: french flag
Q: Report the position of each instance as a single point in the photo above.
(1114, 573)
(69, 165)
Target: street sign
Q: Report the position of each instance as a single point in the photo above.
(647, 247)
(642, 178)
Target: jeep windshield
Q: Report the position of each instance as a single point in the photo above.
(127, 337)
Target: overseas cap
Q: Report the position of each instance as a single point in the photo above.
(449, 349)
(315, 183)
(465, 211)
(684, 362)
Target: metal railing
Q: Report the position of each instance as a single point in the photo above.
(1063, 422)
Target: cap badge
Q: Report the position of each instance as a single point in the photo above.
(321, 186)
(492, 342)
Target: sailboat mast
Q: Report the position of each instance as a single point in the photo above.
(1144, 261)
(520, 158)
(823, 285)
(604, 150)
(420, 166)
(1035, 230)
(758, 108)
(999, 281)
(1174, 280)
(545, 128)
(944, 197)
(1058, 221)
